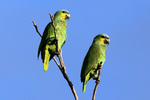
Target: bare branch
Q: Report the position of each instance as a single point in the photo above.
(61, 60)
(36, 29)
(62, 67)
(57, 63)
(97, 81)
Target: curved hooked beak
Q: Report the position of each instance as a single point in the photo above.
(67, 16)
(107, 41)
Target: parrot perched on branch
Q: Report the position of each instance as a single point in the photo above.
(93, 58)
(47, 46)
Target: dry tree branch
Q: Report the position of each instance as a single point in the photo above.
(62, 67)
(56, 62)
(36, 28)
(97, 81)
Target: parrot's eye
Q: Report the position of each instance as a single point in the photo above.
(63, 11)
(102, 36)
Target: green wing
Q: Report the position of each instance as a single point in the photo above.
(92, 58)
(47, 34)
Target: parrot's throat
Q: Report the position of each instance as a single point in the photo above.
(60, 23)
(103, 48)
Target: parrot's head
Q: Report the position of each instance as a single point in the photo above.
(62, 14)
(102, 39)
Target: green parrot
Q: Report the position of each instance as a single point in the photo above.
(94, 56)
(47, 46)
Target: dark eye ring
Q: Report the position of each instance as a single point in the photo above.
(102, 36)
(63, 12)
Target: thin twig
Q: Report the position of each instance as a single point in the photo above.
(61, 61)
(36, 28)
(57, 63)
(62, 67)
(97, 81)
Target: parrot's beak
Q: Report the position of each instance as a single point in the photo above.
(67, 16)
(107, 41)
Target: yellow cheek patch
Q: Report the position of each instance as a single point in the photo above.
(63, 15)
(102, 40)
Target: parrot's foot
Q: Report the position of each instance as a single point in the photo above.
(56, 39)
(57, 53)
(97, 80)
(56, 42)
(99, 66)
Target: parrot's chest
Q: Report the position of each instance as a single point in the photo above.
(102, 58)
(61, 35)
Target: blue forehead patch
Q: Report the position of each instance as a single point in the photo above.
(64, 11)
(105, 35)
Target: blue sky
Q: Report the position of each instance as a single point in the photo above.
(125, 74)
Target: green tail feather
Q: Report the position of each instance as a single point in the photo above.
(84, 87)
(46, 65)
(46, 60)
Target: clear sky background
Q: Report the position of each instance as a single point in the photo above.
(125, 74)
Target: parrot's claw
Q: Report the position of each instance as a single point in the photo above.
(99, 66)
(97, 81)
(56, 39)
(95, 78)
(57, 53)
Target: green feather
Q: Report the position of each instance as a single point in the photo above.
(94, 56)
(47, 46)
